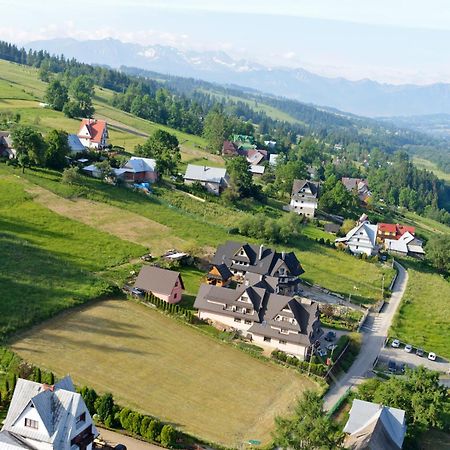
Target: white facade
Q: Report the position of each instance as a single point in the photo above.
(306, 207)
(269, 343)
(362, 239)
(304, 198)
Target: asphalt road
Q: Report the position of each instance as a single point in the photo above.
(374, 332)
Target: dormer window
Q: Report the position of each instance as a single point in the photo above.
(29, 423)
(81, 418)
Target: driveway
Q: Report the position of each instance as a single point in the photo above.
(113, 438)
(374, 333)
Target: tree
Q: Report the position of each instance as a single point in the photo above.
(438, 252)
(56, 95)
(419, 393)
(105, 169)
(164, 148)
(104, 406)
(308, 428)
(89, 397)
(347, 226)
(214, 130)
(71, 175)
(286, 173)
(82, 91)
(241, 180)
(57, 148)
(168, 436)
(29, 144)
(72, 109)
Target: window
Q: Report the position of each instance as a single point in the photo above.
(175, 296)
(282, 342)
(237, 320)
(267, 339)
(81, 418)
(31, 423)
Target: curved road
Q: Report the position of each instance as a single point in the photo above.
(374, 333)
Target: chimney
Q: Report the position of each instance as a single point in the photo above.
(261, 250)
(48, 387)
(283, 255)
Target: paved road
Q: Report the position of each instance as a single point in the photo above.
(374, 333)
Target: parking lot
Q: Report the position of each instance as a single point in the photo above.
(400, 356)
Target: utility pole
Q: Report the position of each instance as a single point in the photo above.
(382, 289)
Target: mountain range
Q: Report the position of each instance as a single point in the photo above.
(364, 97)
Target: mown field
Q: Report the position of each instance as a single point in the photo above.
(428, 165)
(48, 261)
(162, 367)
(423, 317)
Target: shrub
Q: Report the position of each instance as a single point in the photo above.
(124, 418)
(145, 422)
(153, 430)
(71, 175)
(168, 436)
(89, 397)
(134, 422)
(104, 406)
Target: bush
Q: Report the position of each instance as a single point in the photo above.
(153, 430)
(144, 425)
(168, 436)
(124, 418)
(104, 406)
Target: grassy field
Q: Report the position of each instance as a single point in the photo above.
(422, 319)
(171, 370)
(428, 165)
(48, 261)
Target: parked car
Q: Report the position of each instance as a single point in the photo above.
(432, 356)
(138, 292)
(419, 352)
(408, 348)
(395, 343)
(392, 367)
(330, 336)
(322, 352)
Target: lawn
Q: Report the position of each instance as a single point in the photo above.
(48, 261)
(422, 319)
(432, 167)
(171, 370)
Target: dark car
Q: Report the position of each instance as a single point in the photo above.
(419, 352)
(120, 447)
(392, 367)
(330, 336)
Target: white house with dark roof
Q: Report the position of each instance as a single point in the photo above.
(406, 245)
(374, 426)
(361, 239)
(304, 197)
(213, 179)
(6, 145)
(43, 417)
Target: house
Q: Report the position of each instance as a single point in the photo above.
(304, 197)
(270, 320)
(273, 159)
(374, 426)
(43, 417)
(332, 228)
(361, 239)
(243, 259)
(6, 146)
(219, 275)
(140, 170)
(214, 179)
(229, 149)
(75, 144)
(162, 283)
(393, 231)
(257, 171)
(255, 157)
(358, 186)
(93, 133)
(406, 245)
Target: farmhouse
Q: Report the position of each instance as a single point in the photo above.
(43, 417)
(140, 170)
(393, 231)
(361, 239)
(93, 133)
(374, 426)
(270, 320)
(219, 275)
(406, 245)
(255, 157)
(304, 197)
(244, 259)
(6, 146)
(213, 179)
(359, 186)
(162, 283)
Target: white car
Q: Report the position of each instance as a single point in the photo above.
(408, 348)
(395, 343)
(432, 356)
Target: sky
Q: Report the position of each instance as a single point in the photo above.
(394, 41)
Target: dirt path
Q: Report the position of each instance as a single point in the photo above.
(121, 223)
(113, 438)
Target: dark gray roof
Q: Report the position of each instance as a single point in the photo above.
(262, 260)
(157, 280)
(223, 270)
(300, 184)
(332, 227)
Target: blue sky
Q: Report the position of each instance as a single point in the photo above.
(388, 40)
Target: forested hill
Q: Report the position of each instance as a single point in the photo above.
(183, 104)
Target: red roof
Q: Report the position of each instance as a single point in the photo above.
(399, 230)
(95, 127)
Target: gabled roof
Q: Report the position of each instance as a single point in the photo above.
(157, 280)
(396, 228)
(96, 128)
(5, 139)
(369, 229)
(255, 156)
(205, 174)
(56, 406)
(229, 149)
(375, 426)
(75, 144)
(257, 170)
(136, 164)
(300, 184)
(223, 270)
